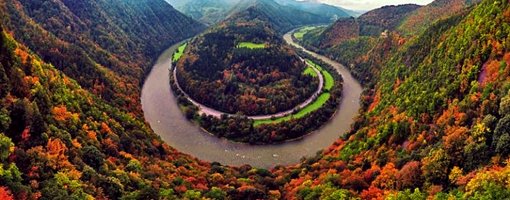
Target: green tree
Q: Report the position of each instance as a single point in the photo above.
(6, 147)
(500, 139)
(408, 195)
(167, 194)
(192, 195)
(134, 165)
(92, 156)
(503, 144)
(62, 187)
(5, 120)
(216, 193)
(504, 105)
(4, 82)
(112, 187)
(337, 194)
(435, 167)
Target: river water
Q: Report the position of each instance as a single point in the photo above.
(162, 113)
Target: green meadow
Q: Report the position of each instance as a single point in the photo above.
(251, 45)
(301, 32)
(309, 71)
(329, 81)
(321, 100)
(178, 54)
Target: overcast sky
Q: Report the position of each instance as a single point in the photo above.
(371, 4)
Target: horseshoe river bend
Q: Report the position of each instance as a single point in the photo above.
(162, 113)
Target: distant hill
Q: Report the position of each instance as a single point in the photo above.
(354, 13)
(440, 9)
(177, 4)
(385, 18)
(408, 19)
(206, 11)
(213, 11)
(317, 8)
(372, 23)
(341, 30)
(280, 18)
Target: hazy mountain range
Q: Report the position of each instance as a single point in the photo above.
(213, 11)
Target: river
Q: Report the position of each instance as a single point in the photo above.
(162, 113)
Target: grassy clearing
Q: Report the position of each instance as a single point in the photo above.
(329, 81)
(251, 45)
(178, 54)
(309, 71)
(301, 32)
(321, 100)
(309, 62)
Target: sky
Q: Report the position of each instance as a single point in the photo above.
(371, 4)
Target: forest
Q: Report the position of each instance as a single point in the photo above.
(59, 141)
(109, 54)
(433, 122)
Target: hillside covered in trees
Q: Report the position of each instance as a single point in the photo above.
(59, 141)
(69, 84)
(107, 46)
(219, 72)
(284, 13)
(279, 17)
(371, 23)
(421, 18)
(434, 122)
(363, 43)
(208, 12)
(318, 8)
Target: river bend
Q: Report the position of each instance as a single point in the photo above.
(162, 113)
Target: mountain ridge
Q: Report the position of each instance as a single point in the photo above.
(99, 40)
(280, 18)
(317, 8)
(211, 12)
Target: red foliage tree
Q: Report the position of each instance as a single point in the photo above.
(410, 175)
(372, 193)
(5, 194)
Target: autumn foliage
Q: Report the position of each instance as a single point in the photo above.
(442, 133)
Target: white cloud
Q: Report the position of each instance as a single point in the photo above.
(371, 4)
